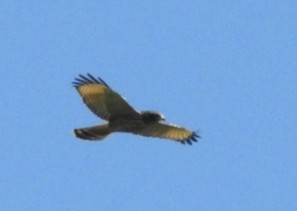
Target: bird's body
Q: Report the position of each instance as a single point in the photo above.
(125, 123)
(122, 117)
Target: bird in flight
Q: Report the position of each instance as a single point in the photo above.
(122, 117)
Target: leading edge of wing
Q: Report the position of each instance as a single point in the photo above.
(89, 79)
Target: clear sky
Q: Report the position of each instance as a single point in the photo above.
(225, 68)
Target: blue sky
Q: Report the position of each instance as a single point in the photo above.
(225, 68)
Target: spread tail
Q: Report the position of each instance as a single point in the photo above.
(92, 133)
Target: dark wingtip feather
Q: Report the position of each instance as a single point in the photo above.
(103, 82)
(196, 135)
(93, 78)
(191, 139)
(88, 79)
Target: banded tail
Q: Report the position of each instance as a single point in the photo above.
(94, 133)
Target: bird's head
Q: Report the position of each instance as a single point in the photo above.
(151, 116)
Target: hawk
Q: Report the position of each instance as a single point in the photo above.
(122, 117)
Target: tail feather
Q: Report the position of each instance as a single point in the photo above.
(92, 133)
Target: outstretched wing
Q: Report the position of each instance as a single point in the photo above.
(100, 98)
(169, 131)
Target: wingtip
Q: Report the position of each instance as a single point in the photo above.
(87, 79)
(195, 134)
(193, 138)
